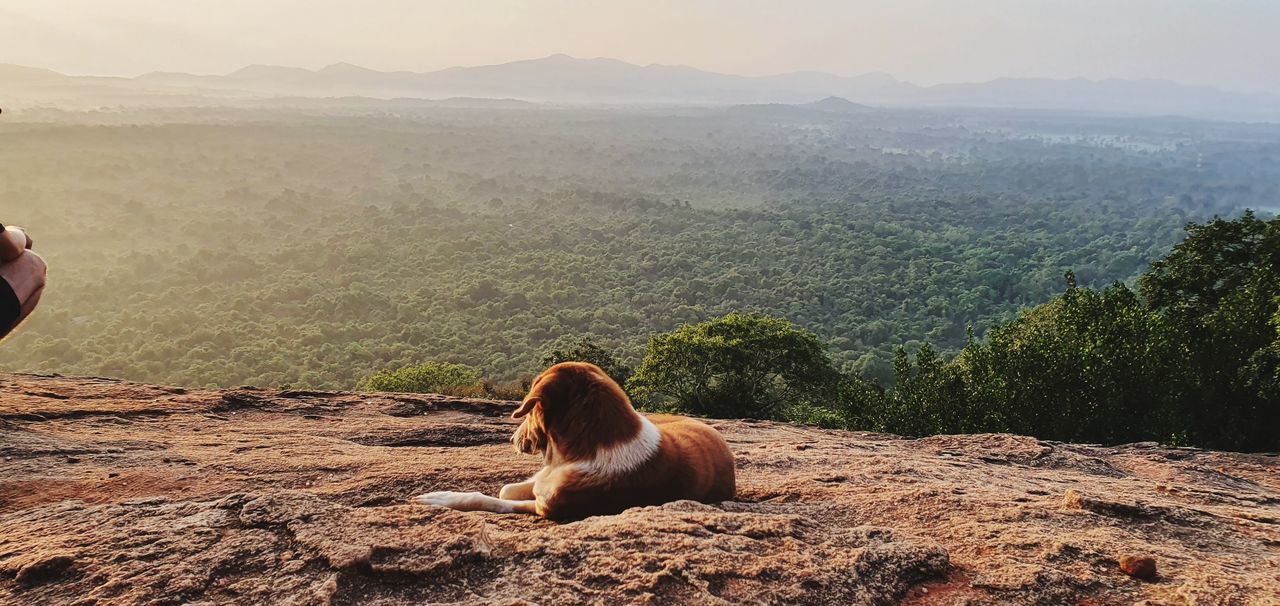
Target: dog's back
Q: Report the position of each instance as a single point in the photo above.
(700, 450)
(692, 462)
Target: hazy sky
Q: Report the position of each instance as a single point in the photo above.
(1233, 44)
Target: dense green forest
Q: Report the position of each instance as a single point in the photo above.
(1190, 358)
(280, 247)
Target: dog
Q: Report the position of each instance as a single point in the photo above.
(600, 455)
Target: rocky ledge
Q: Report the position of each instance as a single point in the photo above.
(122, 493)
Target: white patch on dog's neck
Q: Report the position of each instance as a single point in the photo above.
(626, 457)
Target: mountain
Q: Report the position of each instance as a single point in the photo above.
(17, 73)
(839, 105)
(565, 79)
(125, 493)
(823, 108)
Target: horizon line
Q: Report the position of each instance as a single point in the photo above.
(660, 65)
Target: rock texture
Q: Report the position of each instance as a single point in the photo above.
(120, 493)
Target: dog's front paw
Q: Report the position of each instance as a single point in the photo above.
(462, 501)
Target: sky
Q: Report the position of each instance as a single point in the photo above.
(1229, 44)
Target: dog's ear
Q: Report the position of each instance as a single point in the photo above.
(525, 407)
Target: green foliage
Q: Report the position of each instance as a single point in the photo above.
(1196, 360)
(1221, 289)
(1088, 366)
(860, 403)
(739, 365)
(228, 247)
(225, 247)
(1261, 375)
(926, 395)
(818, 416)
(428, 377)
(585, 350)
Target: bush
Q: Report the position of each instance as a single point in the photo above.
(807, 414)
(510, 390)
(739, 365)
(429, 377)
(585, 350)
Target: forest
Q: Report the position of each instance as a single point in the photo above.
(1191, 357)
(314, 247)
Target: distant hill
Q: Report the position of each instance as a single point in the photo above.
(839, 105)
(821, 109)
(565, 79)
(17, 73)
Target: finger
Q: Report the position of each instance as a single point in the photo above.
(23, 232)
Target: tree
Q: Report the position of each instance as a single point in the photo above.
(585, 350)
(1215, 260)
(735, 366)
(1087, 366)
(1262, 374)
(428, 377)
(860, 403)
(1221, 288)
(928, 396)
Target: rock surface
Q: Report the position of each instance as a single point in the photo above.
(121, 493)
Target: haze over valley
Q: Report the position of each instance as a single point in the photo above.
(561, 79)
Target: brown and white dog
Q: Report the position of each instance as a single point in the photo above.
(601, 455)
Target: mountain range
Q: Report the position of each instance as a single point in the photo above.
(562, 79)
